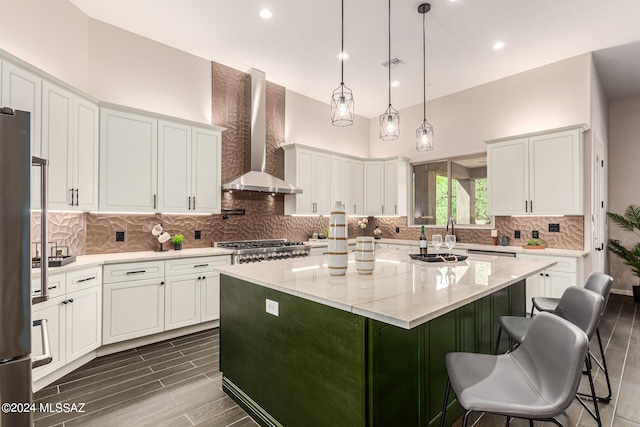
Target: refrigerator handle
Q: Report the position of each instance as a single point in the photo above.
(44, 265)
(46, 357)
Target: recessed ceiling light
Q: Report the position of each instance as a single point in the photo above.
(343, 55)
(498, 45)
(265, 14)
(395, 83)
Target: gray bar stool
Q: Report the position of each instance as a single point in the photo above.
(579, 306)
(536, 381)
(597, 282)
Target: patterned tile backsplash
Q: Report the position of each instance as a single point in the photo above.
(91, 233)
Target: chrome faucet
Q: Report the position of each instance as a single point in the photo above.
(453, 223)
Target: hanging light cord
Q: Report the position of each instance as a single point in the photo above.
(424, 69)
(342, 53)
(389, 53)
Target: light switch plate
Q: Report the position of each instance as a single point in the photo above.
(273, 307)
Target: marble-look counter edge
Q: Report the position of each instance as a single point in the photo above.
(571, 253)
(97, 260)
(380, 315)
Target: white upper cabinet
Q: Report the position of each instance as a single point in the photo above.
(395, 187)
(358, 186)
(183, 176)
(536, 175)
(373, 187)
(70, 143)
(311, 171)
(22, 90)
(174, 167)
(343, 183)
(206, 170)
(128, 162)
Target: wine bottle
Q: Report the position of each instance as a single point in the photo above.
(423, 243)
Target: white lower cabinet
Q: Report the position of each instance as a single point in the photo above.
(132, 309)
(146, 298)
(73, 319)
(553, 281)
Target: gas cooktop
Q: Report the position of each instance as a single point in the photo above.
(264, 250)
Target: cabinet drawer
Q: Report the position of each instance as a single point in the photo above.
(133, 271)
(56, 285)
(563, 264)
(84, 279)
(178, 267)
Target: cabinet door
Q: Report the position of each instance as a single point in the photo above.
(535, 288)
(348, 184)
(305, 202)
(132, 309)
(57, 144)
(508, 177)
(128, 162)
(555, 174)
(22, 90)
(557, 281)
(210, 297)
(206, 171)
(83, 322)
(86, 152)
(358, 186)
(182, 301)
(390, 188)
(174, 167)
(373, 187)
(321, 184)
(54, 311)
(337, 181)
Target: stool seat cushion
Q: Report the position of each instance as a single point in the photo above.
(515, 327)
(545, 303)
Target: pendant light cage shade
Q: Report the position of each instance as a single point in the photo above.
(342, 106)
(424, 137)
(424, 134)
(390, 124)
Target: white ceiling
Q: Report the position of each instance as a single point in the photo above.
(298, 47)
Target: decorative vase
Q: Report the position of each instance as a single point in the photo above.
(337, 244)
(377, 233)
(177, 246)
(365, 255)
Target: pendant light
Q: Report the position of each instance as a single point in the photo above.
(424, 134)
(390, 119)
(342, 98)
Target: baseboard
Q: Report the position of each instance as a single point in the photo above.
(256, 412)
(150, 339)
(626, 292)
(43, 382)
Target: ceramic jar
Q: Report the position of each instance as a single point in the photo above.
(365, 255)
(337, 253)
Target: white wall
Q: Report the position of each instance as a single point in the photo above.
(624, 176)
(548, 97)
(51, 35)
(128, 69)
(308, 122)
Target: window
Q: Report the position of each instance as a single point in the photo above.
(451, 189)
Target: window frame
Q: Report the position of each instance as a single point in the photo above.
(411, 214)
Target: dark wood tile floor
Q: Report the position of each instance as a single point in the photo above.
(178, 383)
(170, 383)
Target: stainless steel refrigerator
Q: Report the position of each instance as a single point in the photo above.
(15, 269)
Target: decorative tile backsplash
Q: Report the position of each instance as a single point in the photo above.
(90, 233)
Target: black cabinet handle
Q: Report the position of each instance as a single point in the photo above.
(199, 278)
(531, 204)
(204, 277)
(136, 272)
(70, 299)
(65, 302)
(547, 274)
(189, 202)
(154, 201)
(77, 196)
(87, 279)
(71, 196)
(200, 265)
(542, 274)
(194, 202)
(161, 283)
(526, 206)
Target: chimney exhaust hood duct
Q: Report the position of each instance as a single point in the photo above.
(257, 179)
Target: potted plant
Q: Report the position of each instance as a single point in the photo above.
(631, 256)
(534, 244)
(481, 219)
(177, 242)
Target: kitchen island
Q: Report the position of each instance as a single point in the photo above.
(300, 347)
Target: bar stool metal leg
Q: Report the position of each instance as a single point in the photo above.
(446, 402)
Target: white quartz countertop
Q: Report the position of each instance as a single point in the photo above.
(84, 261)
(461, 245)
(400, 292)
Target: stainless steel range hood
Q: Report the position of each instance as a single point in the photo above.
(257, 179)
